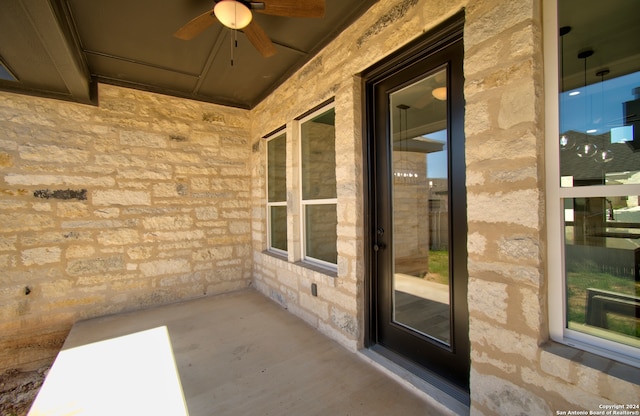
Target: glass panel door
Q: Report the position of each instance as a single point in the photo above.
(415, 115)
(421, 296)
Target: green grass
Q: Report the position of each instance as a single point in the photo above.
(439, 263)
(438, 267)
(577, 283)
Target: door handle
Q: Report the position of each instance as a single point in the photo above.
(378, 247)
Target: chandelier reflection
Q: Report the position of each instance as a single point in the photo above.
(566, 142)
(603, 155)
(586, 149)
(406, 176)
(403, 173)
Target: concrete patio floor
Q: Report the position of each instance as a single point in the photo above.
(236, 354)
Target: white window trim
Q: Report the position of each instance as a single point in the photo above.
(309, 259)
(269, 243)
(554, 209)
(304, 203)
(270, 204)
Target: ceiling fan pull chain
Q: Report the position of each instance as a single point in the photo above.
(231, 37)
(234, 43)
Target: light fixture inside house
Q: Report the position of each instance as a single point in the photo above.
(440, 93)
(605, 154)
(586, 149)
(404, 173)
(232, 14)
(566, 142)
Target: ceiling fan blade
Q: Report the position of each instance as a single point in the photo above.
(290, 8)
(196, 26)
(259, 39)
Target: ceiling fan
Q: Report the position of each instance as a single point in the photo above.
(237, 15)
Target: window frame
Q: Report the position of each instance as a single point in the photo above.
(555, 194)
(269, 204)
(303, 203)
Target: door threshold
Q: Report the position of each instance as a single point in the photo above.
(450, 398)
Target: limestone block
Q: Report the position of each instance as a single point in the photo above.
(517, 105)
(492, 338)
(110, 212)
(478, 118)
(199, 184)
(120, 236)
(72, 209)
(6, 160)
(143, 139)
(41, 255)
(518, 147)
(489, 299)
(346, 322)
(119, 197)
(344, 301)
(529, 275)
(557, 366)
(176, 157)
(316, 306)
(155, 172)
(476, 243)
(484, 358)
(503, 397)
(174, 236)
(162, 267)
(14, 221)
(95, 265)
(169, 222)
(48, 153)
(212, 253)
(513, 173)
(60, 180)
(79, 251)
(567, 395)
(532, 311)
(8, 242)
(505, 207)
(236, 214)
(239, 227)
(120, 160)
(519, 248)
(53, 237)
(486, 20)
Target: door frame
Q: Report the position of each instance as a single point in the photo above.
(439, 38)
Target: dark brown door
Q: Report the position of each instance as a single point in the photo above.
(418, 213)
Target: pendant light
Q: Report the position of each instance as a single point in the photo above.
(403, 164)
(586, 149)
(566, 142)
(605, 154)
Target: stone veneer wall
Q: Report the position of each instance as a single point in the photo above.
(515, 369)
(147, 199)
(140, 201)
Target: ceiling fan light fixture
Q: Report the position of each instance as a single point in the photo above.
(232, 14)
(440, 93)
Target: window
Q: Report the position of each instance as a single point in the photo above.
(277, 194)
(593, 175)
(318, 188)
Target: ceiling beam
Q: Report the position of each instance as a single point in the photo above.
(65, 57)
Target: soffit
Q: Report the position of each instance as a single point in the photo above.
(60, 48)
